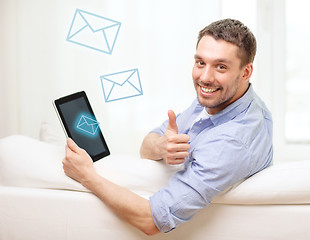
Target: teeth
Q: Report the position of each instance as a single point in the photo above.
(208, 90)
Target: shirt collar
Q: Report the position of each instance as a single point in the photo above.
(232, 110)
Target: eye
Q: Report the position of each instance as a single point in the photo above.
(221, 67)
(200, 63)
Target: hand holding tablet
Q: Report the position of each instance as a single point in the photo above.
(79, 123)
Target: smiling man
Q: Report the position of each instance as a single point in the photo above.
(225, 136)
(220, 78)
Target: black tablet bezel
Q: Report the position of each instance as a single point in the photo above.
(70, 98)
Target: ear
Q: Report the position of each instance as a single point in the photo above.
(247, 72)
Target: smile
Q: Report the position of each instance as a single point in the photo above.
(208, 91)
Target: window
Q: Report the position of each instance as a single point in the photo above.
(297, 92)
(280, 78)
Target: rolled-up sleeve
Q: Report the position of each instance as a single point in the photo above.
(177, 203)
(211, 170)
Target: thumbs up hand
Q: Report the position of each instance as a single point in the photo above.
(172, 125)
(175, 146)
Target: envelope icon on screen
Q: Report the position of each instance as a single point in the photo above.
(121, 85)
(88, 125)
(93, 31)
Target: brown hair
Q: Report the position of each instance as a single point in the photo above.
(235, 32)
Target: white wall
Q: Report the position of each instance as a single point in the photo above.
(9, 117)
(38, 65)
(157, 37)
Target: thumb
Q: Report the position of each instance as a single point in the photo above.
(72, 145)
(172, 125)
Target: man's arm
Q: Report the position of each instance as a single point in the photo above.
(151, 146)
(132, 208)
(172, 146)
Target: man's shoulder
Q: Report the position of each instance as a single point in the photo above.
(247, 125)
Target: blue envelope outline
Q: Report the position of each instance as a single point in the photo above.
(93, 31)
(88, 125)
(121, 85)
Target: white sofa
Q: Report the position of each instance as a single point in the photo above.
(37, 201)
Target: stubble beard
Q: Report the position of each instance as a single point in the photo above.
(221, 101)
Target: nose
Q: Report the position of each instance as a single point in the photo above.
(206, 76)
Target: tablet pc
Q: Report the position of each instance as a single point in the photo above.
(79, 123)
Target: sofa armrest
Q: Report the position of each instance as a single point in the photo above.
(285, 183)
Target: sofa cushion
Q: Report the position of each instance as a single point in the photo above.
(26, 162)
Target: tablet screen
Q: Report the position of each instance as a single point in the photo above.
(81, 125)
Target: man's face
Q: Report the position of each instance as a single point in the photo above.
(218, 78)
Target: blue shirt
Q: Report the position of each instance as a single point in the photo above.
(225, 148)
